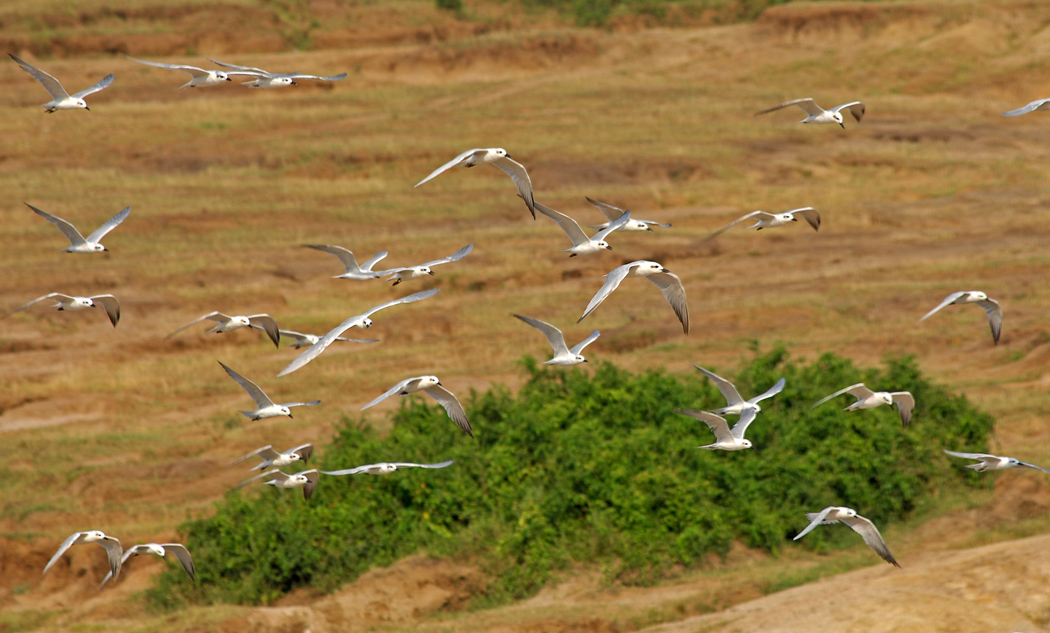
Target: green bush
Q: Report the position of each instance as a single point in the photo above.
(593, 468)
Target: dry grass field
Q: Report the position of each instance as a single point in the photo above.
(122, 430)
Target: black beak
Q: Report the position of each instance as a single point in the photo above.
(294, 84)
(431, 273)
(291, 416)
(585, 360)
(841, 125)
(105, 250)
(87, 108)
(793, 219)
(609, 247)
(664, 270)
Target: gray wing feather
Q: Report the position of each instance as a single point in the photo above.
(275, 472)
(607, 210)
(521, 179)
(727, 388)
(110, 224)
(553, 334)
(856, 108)
(38, 300)
(338, 77)
(454, 257)
(810, 215)
(612, 282)
(1021, 464)
(905, 403)
(713, 421)
(346, 257)
(183, 555)
(615, 225)
(567, 224)
(301, 404)
(399, 387)
(858, 391)
(808, 105)
(578, 348)
(452, 406)
(815, 519)
(1038, 104)
(950, 299)
(774, 390)
(970, 455)
(305, 451)
(412, 298)
(70, 231)
(218, 317)
(871, 536)
(747, 416)
(267, 324)
(266, 452)
(674, 292)
(412, 465)
(367, 266)
(192, 70)
(70, 541)
(110, 305)
(101, 85)
(725, 228)
(248, 69)
(449, 165)
(348, 471)
(50, 84)
(114, 553)
(257, 394)
(995, 317)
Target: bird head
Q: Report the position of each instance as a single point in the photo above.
(94, 535)
(746, 443)
(838, 119)
(156, 549)
(1013, 462)
(977, 295)
(285, 411)
(605, 245)
(98, 248)
(500, 152)
(241, 321)
(580, 359)
(221, 76)
(82, 104)
(365, 323)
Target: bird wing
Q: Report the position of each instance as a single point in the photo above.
(980, 456)
(259, 72)
(1021, 464)
(871, 536)
(260, 397)
(815, 519)
(607, 210)
(713, 421)
(297, 337)
(305, 451)
(338, 77)
(110, 224)
(128, 553)
(856, 108)
(193, 70)
(454, 257)
(110, 305)
(567, 224)
(70, 231)
(349, 471)
(725, 228)
(312, 476)
(747, 416)
(727, 388)
(614, 225)
(521, 179)
(183, 554)
(267, 324)
(301, 404)
(950, 299)
(413, 465)
(218, 317)
(412, 298)
(38, 300)
(367, 266)
(995, 317)
(275, 473)
(674, 292)
(810, 215)
(774, 390)
(399, 387)
(452, 407)
(807, 104)
(553, 334)
(101, 85)
(449, 165)
(50, 83)
(858, 391)
(905, 403)
(357, 340)
(345, 256)
(266, 452)
(666, 226)
(71, 540)
(1038, 104)
(578, 348)
(114, 552)
(612, 282)
(321, 345)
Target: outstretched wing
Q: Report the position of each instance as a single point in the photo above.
(746, 216)
(674, 292)
(338, 77)
(412, 465)
(856, 108)
(612, 281)
(980, 456)
(193, 70)
(110, 224)
(349, 471)
(110, 305)
(218, 317)
(553, 334)
(50, 83)
(774, 390)
(615, 225)
(452, 406)
(808, 105)
(266, 452)
(305, 451)
(257, 394)
(267, 324)
(275, 473)
(950, 299)
(578, 348)
(713, 421)
(995, 317)
(247, 70)
(858, 391)
(345, 256)
(183, 555)
(102, 84)
(1021, 464)
(810, 215)
(905, 403)
(871, 536)
(70, 541)
(399, 387)
(1038, 104)
(454, 257)
(567, 224)
(521, 179)
(449, 165)
(727, 388)
(607, 210)
(747, 416)
(815, 519)
(53, 295)
(70, 231)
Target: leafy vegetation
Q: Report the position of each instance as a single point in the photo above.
(600, 12)
(595, 468)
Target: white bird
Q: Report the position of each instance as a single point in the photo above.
(860, 525)
(415, 272)
(361, 321)
(158, 549)
(562, 354)
(383, 468)
(67, 302)
(300, 340)
(112, 545)
(307, 480)
(868, 399)
(227, 323)
(77, 243)
(725, 439)
(272, 459)
(735, 404)
(201, 77)
(665, 280)
(498, 157)
(994, 462)
(265, 79)
(266, 407)
(60, 99)
(363, 272)
(817, 114)
(1038, 104)
(772, 220)
(613, 213)
(581, 244)
(433, 388)
(991, 309)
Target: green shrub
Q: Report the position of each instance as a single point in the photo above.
(593, 468)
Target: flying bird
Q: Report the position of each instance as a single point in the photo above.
(991, 309)
(498, 157)
(77, 243)
(562, 354)
(860, 525)
(361, 321)
(868, 399)
(383, 468)
(272, 459)
(433, 388)
(200, 77)
(227, 323)
(159, 549)
(772, 220)
(415, 272)
(581, 244)
(67, 302)
(735, 404)
(994, 462)
(1038, 104)
(300, 340)
(263, 79)
(817, 114)
(725, 439)
(266, 407)
(60, 99)
(111, 544)
(614, 213)
(363, 272)
(307, 480)
(665, 280)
